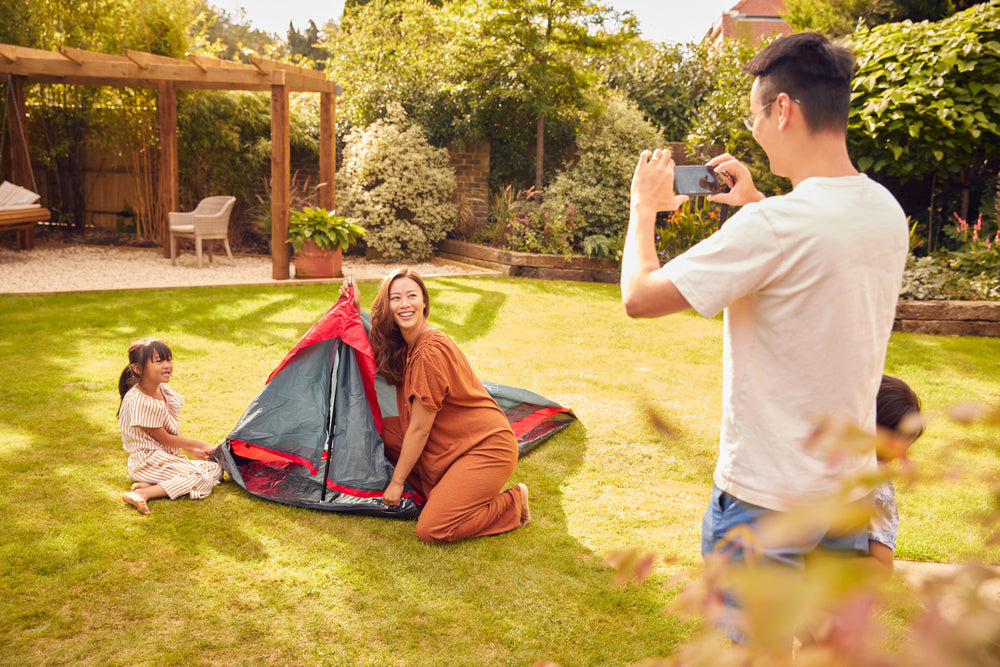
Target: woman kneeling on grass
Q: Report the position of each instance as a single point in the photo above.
(451, 440)
(149, 418)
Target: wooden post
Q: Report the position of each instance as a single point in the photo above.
(281, 167)
(168, 200)
(20, 158)
(328, 150)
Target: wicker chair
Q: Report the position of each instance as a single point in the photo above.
(209, 220)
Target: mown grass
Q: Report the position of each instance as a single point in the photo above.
(232, 579)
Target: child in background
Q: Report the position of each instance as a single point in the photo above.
(149, 418)
(897, 409)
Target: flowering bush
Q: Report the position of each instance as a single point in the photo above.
(400, 186)
(971, 271)
(679, 230)
(978, 252)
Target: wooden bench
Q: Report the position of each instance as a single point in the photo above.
(22, 221)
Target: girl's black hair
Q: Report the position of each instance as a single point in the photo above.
(139, 352)
(895, 401)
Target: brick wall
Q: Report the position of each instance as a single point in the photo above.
(471, 162)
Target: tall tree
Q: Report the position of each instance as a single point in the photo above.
(306, 44)
(534, 50)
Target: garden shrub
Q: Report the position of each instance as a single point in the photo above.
(518, 222)
(598, 183)
(679, 230)
(399, 186)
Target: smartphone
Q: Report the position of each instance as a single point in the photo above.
(698, 180)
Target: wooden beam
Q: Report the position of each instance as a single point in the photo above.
(328, 151)
(144, 70)
(81, 57)
(169, 199)
(144, 60)
(280, 181)
(267, 66)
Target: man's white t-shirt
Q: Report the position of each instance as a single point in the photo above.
(809, 283)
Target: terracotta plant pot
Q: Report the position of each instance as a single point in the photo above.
(311, 261)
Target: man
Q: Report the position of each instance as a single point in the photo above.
(808, 281)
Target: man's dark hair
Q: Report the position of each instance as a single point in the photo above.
(811, 69)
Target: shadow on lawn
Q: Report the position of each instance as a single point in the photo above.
(266, 577)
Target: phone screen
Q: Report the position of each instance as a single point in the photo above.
(697, 180)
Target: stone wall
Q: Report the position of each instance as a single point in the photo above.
(959, 318)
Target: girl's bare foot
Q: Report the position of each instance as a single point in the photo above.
(525, 512)
(140, 485)
(133, 498)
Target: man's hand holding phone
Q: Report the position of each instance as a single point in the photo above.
(653, 182)
(735, 175)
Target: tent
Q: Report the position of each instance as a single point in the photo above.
(311, 437)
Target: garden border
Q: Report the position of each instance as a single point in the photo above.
(532, 265)
(956, 318)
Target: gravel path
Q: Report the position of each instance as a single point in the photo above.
(57, 267)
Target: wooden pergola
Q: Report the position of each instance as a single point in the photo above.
(136, 69)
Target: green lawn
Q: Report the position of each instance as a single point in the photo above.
(233, 579)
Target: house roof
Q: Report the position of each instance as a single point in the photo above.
(751, 20)
(768, 8)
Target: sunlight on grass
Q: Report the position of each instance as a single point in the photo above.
(232, 578)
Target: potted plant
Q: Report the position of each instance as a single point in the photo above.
(320, 237)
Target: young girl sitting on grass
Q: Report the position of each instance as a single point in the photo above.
(149, 418)
(897, 410)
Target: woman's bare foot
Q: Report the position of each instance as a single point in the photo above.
(525, 512)
(140, 485)
(133, 498)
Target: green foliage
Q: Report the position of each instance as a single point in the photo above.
(597, 183)
(841, 17)
(394, 52)
(474, 69)
(679, 230)
(400, 186)
(720, 116)
(518, 222)
(831, 17)
(927, 97)
(324, 228)
(944, 276)
(601, 247)
(164, 27)
(667, 81)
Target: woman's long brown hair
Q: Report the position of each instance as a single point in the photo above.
(387, 340)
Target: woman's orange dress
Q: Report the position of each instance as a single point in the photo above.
(470, 453)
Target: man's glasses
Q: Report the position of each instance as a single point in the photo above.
(750, 117)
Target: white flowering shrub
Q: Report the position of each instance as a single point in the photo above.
(400, 187)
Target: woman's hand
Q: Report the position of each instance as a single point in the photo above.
(347, 287)
(393, 494)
